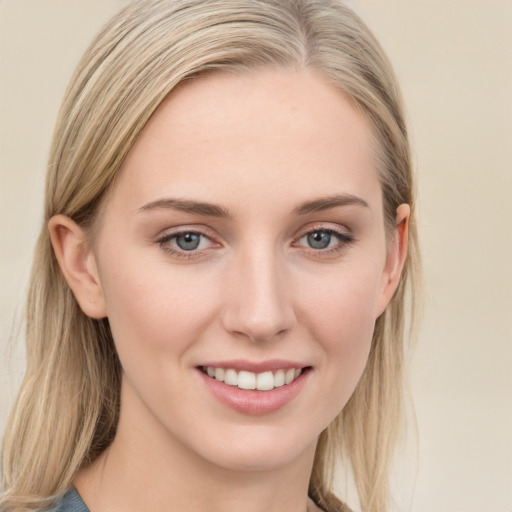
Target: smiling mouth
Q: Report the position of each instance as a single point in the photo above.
(265, 381)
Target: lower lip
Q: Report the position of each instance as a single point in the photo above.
(255, 402)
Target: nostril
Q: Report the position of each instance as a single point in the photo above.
(260, 309)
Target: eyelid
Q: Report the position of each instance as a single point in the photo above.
(166, 236)
(326, 227)
(344, 236)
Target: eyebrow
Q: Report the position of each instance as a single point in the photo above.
(213, 210)
(326, 203)
(187, 206)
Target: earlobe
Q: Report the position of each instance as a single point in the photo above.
(396, 257)
(78, 264)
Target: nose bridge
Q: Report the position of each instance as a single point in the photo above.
(258, 300)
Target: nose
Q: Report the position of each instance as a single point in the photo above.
(258, 297)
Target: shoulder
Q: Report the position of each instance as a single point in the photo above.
(70, 502)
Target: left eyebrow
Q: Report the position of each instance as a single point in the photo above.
(326, 203)
(187, 206)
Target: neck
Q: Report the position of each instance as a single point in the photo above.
(147, 469)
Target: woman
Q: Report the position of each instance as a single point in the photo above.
(217, 301)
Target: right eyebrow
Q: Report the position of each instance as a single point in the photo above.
(326, 203)
(187, 206)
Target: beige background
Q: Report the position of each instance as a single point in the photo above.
(454, 61)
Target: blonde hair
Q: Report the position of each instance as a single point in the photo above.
(67, 409)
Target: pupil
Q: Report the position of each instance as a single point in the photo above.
(319, 240)
(188, 241)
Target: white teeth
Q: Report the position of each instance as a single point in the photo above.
(264, 381)
(231, 378)
(279, 378)
(289, 376)
(246, 380)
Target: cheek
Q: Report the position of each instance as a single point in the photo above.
(152, 311)
(341, 319)
(342, 305)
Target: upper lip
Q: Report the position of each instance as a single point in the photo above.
(255, 366)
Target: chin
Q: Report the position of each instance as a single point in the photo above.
(261, 449)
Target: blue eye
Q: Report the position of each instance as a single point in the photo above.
(185, 243)
(188, 241)
(322, 239)
(318, 239)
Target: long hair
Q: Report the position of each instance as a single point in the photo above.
(67, 409)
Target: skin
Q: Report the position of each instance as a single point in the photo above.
(258, 147)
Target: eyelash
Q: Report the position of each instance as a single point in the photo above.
(344, 239)
(164, 244)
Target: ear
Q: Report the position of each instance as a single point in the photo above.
(395, 258)
(78, 264)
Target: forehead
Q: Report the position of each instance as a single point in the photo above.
(270, 134)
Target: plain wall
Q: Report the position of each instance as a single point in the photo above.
(454, 62)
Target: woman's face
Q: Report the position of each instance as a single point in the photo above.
(244, 237)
